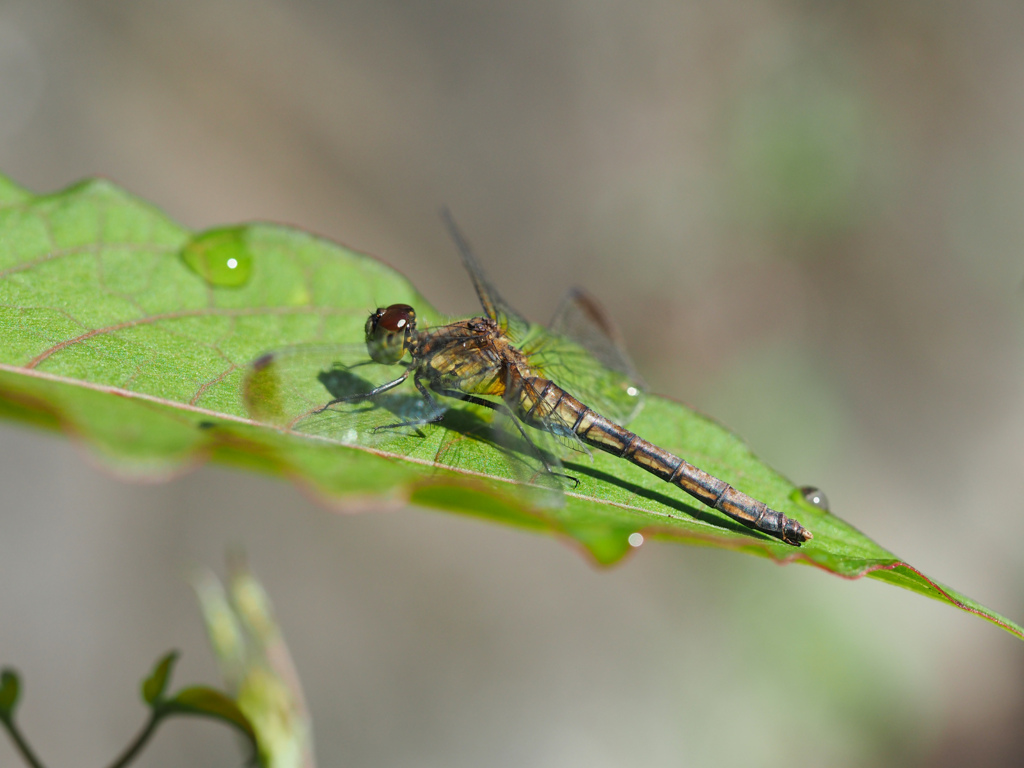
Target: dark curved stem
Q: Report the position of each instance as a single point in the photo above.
(140, 741)
(20, 743)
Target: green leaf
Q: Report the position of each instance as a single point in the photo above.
(153, 687)
(112, 334)
(10, 690)
(208, 702)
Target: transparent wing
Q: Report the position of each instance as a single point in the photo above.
(514, 324)
(295, 388)
(533, 457)
(581, 318)
(584, 354)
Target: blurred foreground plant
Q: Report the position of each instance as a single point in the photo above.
(198, 701)
(265, 703)
(256, 665)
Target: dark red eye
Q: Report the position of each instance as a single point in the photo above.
(388, 332)
(395, 318)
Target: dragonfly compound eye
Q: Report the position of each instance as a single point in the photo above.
(387, 331)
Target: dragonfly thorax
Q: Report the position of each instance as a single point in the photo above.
(388, 331)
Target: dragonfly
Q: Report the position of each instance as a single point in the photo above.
(521, 373)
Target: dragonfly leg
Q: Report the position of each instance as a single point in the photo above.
(365, 395)
(436, 410)
(502, 408)
(346, 367)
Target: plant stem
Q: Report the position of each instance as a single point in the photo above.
(20, 743)
(136, 746)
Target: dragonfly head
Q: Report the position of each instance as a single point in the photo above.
(387, 332)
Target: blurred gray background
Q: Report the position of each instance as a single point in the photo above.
(807, 218)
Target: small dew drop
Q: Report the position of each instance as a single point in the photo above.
(220, 256)
(636, 539)
(632, 391)
(814, 496)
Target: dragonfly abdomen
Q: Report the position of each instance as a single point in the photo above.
(601, 432)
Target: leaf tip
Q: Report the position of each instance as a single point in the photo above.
(153, 687)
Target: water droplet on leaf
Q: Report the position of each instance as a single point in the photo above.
(636, 539)
(220, 256)
(815, 497)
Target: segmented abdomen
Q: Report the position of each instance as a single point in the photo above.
(543, 404)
